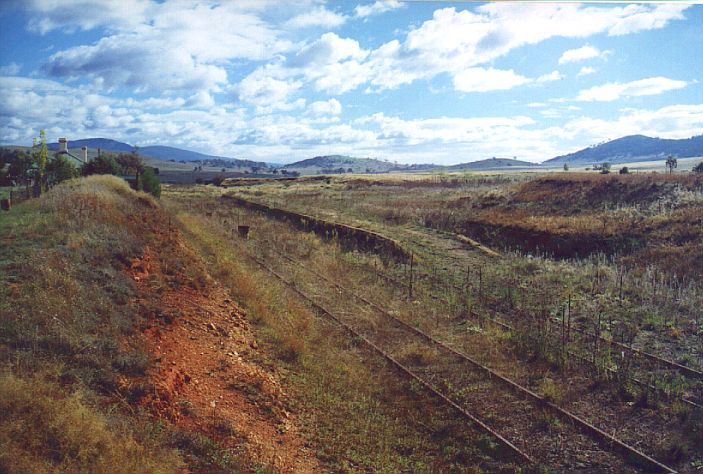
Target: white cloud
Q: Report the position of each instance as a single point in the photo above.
(10, 69)
(326, 107)
(72, 15)
(162, 46)
(262, 88)
(673, 121)
(318, 17)
(552, 76)
(586, 70)
(453, 41)
(477, 79)
(615, 90)
(639, 17)
(327, 49)
(376, 8)
(579, 54)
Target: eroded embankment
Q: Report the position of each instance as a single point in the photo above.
(348, 236)
(121, 353)
(551, 244)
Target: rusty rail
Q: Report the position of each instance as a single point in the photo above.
(429, 387)
(600, 435)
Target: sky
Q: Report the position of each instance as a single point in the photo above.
(409, 82)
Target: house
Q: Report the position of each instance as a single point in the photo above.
(63, 150)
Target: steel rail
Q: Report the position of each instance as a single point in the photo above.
(431, 388)
(584, 425)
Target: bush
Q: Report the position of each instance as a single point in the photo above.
(624, 170)
(150, 183)
(698, 168)
(218, 178)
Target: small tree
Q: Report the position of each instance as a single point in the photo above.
(671, 163)
(131, 163)
(605, 168)
(218, 178)
(566, 166)
(150, 183)
(698, 168)
(59, 169)
(40, 153)
(624, 170)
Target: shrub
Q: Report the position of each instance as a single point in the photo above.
(218, 178)
(150, 183)
(624, 170)
(698, 168)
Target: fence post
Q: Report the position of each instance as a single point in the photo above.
(410, 285)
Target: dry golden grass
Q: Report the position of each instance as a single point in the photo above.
(45, 429)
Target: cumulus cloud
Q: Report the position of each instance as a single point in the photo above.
(586, 70)
(376, 8)
(262, 88)
(579, 54)
(552, 76)
(166, 46)
(10, 69)
(477, 79)
(326, 107)
(318, 17)
(453, 41)
(615, 90)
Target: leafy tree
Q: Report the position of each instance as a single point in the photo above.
(59, 169)
(40, 152)
(131, 163)
(566, 166)
(624, 170)
(605, 168)
(671, 163)
(103, 164)
(698, 168)
(150, 183)
(19, 170)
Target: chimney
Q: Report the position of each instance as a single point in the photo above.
(63, 144)
(84, 149)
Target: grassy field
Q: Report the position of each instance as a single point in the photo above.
(575, 262)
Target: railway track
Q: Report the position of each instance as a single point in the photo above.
(465, 384)
(500, 319)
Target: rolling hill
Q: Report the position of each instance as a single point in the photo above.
(492, 163)
(347, 164)
(633, 148)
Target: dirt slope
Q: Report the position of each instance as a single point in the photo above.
(206, 375)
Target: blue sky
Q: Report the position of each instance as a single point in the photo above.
(413, 82)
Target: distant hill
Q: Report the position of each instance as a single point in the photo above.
(158, 152)
(492, 163)
(633, 148)
(102, 143)
(330, 164)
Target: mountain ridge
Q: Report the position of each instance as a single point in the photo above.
(159, 152)
(633, 148)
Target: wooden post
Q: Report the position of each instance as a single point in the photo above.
(410, 286)
(480, 284)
